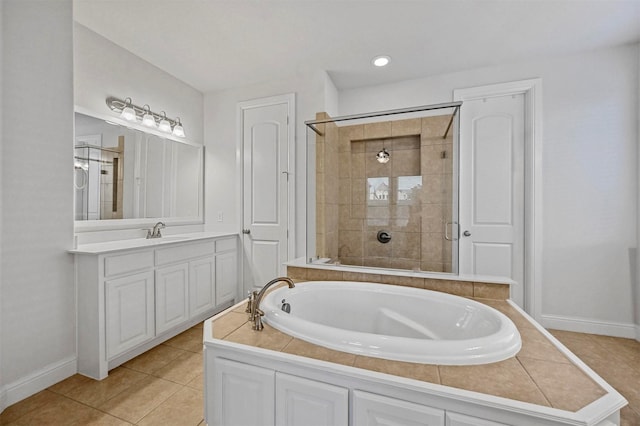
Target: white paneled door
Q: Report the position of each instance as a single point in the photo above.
(265, 135)
(492, 189)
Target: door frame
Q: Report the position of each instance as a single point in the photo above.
(532, 91)
(290, 100)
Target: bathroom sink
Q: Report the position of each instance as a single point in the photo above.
(168, 239)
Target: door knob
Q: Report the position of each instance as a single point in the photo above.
(246, 231)
(466, 233)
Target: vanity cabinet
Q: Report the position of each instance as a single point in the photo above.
(172, 296)
(133, 299)
(129, 312)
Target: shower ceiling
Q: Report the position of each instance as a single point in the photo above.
(216, 45)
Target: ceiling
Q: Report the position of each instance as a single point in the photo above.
(215, 45)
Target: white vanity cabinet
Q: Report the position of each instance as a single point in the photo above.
(132, 299)
(129, 312)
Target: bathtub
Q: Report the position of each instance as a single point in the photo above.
(392, 322)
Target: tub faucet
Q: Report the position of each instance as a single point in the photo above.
(155, 232)
(253, 305)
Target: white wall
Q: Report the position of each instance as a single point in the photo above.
(590, 186)
(222, 183)
(103, 69)
(38, 294)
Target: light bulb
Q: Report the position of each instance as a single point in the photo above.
(128, 113)
(148, 119)
(381, 61)
(383, 156)
(178, 130)
(164, 124)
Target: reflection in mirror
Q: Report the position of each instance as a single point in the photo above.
(123, 173)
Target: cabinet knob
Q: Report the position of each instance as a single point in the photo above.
(246, 231)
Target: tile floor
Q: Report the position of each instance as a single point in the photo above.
(165, 385)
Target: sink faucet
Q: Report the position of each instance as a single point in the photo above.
(155, 232)
(253, 304)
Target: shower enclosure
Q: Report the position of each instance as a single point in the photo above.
(382, 189)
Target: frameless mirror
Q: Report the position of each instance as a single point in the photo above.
(123, 173)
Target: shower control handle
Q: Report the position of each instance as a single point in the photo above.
(466, 233)
(383, 237)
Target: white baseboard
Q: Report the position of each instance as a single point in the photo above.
(3, 399)
(583, 325)
(37, 381)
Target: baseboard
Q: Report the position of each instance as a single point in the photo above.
(3, 399)
(582, 325)
(37, 381)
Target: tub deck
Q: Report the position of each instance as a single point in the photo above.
(539, 374)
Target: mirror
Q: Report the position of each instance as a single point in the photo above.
(122, 172)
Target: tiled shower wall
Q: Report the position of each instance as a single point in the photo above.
(412, 210)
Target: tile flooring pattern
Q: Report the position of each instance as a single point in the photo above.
(164, 386)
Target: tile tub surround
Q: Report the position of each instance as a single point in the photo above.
(463, 286)
(539, 374)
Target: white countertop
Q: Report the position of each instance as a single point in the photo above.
(134, 243)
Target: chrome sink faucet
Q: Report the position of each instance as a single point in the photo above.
(155, 232)
(253, 304)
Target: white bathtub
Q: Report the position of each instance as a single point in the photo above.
(393, 322)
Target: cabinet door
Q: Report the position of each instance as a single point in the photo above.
(226, 276)
(304, 402)
(202, 285)
(375, 410)
(242, 394)
(455, 419)
(172, 307)
(129, 312)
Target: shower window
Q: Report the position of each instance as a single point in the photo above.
(356, 195)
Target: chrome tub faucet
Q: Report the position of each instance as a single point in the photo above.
(255, 297)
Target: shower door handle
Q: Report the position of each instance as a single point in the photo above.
(446, 231)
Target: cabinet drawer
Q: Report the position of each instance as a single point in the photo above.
(225, 245)
(130, 262)
(184, 252)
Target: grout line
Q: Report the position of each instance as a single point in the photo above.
(535, 383)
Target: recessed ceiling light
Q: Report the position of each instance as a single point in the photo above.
(381, 61)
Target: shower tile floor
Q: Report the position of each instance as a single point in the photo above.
(164, 386)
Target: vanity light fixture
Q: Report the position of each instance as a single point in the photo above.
(381, 61)
(383, 156)
(148, 119)
(164, 124)
(131, 112)
(178, 130)
(128, 113)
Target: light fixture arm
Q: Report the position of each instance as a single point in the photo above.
(117, 105)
